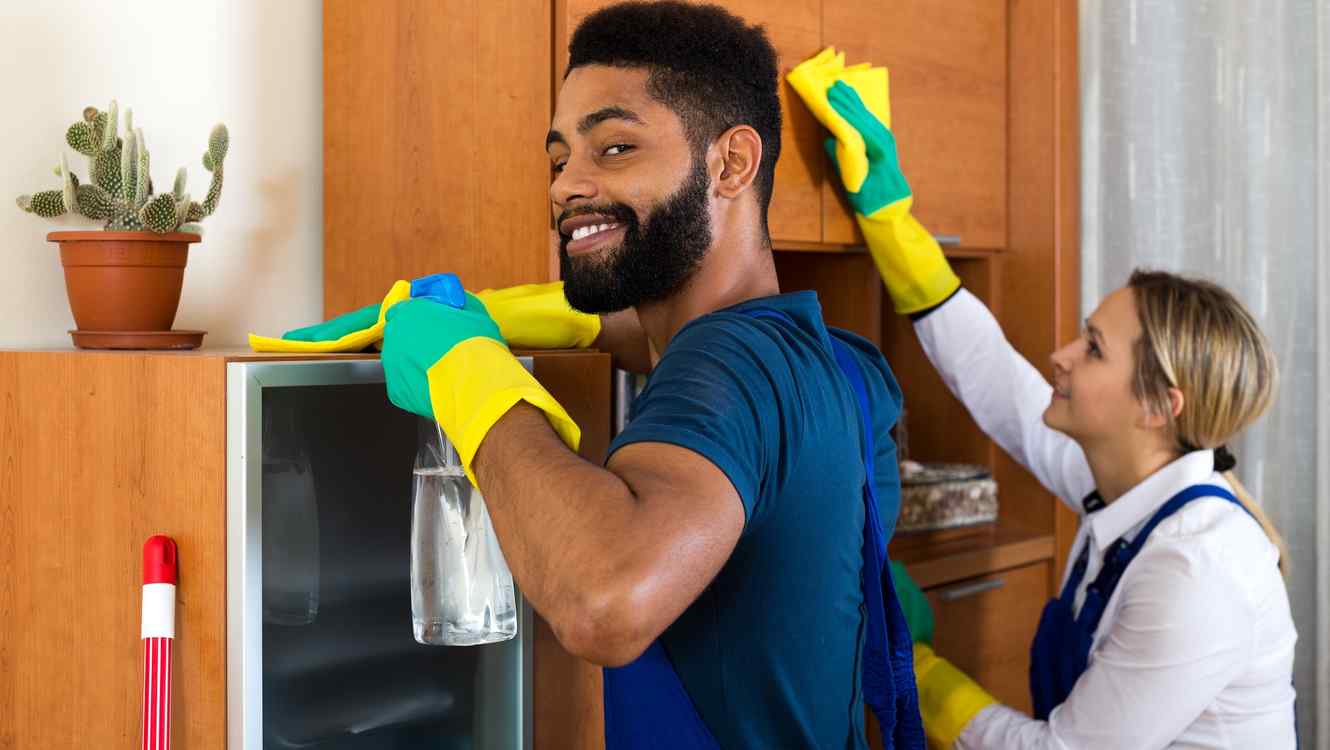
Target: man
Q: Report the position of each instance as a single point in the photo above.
(714, 563)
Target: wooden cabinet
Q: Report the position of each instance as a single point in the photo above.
(948, 68)
(434, 115)
(948, 64)
(102, 450)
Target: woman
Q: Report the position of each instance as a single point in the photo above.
(1173, 628)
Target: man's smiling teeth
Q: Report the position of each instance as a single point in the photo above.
(581, 232)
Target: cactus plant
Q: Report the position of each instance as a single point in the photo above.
(120, 191)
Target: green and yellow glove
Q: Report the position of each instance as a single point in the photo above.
(918, 613)
(948, 699)
(451, 364)
(912, 265)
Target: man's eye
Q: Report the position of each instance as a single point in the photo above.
(1094, 349)
(557, 168)
(617, 149)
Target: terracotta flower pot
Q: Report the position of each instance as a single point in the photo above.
(123, 281)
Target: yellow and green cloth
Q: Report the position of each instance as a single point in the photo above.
(531, 316)
(853, 103)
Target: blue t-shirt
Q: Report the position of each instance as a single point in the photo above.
(771, 652)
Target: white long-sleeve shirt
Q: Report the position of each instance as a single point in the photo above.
(1195, 648)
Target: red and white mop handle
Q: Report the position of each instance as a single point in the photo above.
(158, 633)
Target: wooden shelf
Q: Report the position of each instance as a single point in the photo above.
(951, 251)
(938, 557)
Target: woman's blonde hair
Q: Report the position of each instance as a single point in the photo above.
(1197, 337)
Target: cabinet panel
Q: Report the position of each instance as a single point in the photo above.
(985, 626)
(795, 30)
(948, 64)
(100, 451)
(435, 112)
(847, 287)
(569, 711)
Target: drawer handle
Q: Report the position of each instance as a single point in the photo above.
(970, 589)
(947, 240)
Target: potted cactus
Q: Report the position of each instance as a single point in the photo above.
(124, 282)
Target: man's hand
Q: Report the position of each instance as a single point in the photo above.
(419, 333)
(451, 363)
(538, 316)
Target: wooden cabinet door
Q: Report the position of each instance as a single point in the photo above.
(948, 66)
(435, 112)
(795, 29)
(985, 626)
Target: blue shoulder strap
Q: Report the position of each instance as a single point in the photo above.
(888, 673)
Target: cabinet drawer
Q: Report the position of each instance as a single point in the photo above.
(985, 626)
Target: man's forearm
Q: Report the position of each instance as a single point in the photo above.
(609, 556)
(564, 523)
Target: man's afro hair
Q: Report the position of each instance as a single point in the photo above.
(707, 65)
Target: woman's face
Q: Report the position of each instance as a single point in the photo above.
(1093, 400)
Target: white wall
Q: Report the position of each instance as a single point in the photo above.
(182, 67)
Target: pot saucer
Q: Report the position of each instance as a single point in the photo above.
(137, 339)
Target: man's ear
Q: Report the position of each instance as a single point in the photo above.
(738, 154)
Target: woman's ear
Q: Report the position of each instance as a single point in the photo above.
(739, 151)
(1162, 414)
(1175, 402)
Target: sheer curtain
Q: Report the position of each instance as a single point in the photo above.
(1205, 137)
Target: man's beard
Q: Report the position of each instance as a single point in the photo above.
(655, 258)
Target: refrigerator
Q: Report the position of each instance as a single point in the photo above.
(319, 650)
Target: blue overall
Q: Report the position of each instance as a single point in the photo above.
(647, 706)
(1061, 648)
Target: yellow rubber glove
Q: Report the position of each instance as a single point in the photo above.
(948, 699)
(538, 316)
(451, 364)
(353, 341)
(854, 105)
(475, 384)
